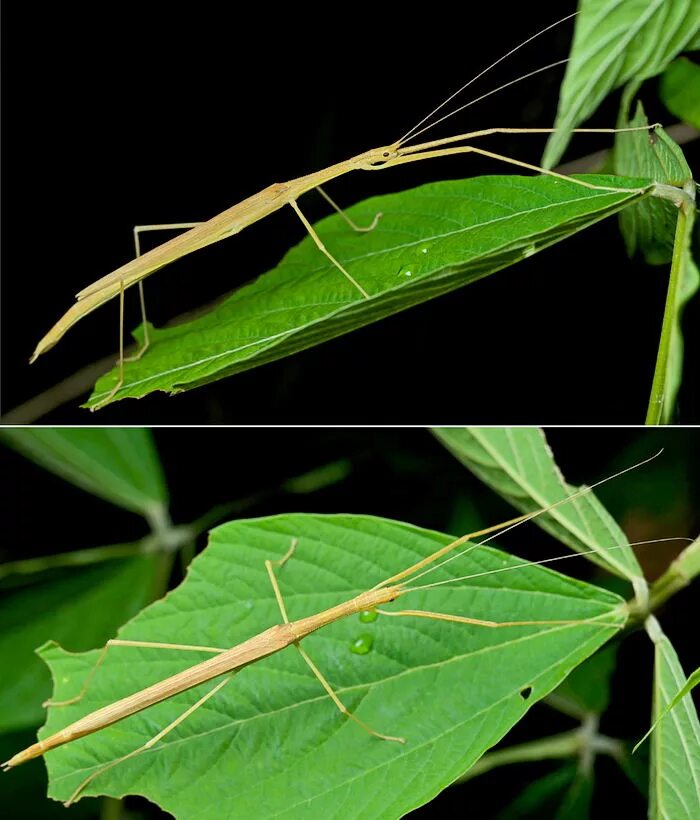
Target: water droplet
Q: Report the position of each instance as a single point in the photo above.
(424, 250)
(362, 644)
(367, 616)
(408, 273)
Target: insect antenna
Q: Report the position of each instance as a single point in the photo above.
(483, 97)
(449, 99)
(537, 563)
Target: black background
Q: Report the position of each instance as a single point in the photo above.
(131, 113)
(406, 475)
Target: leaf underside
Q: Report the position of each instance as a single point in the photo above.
(615, 42)
(430, 240)
(517, 463)
(118, 464)
(271, 743)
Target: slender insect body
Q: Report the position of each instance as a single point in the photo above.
(266, 643)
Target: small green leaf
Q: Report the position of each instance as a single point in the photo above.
(272, 744)
(615, 43)
(82, 609)
(675, 747)
(650, 226)
(680, 90)
(517, 463)
(429, 241)
(120, 465)
(691, 683)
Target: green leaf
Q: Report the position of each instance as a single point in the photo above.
(614, 43)
(691, 683)
(675, 749)
(271, 744)
(650, 226)
(120, 465)
(516, 462)
(430, 240)
(680, 90)
(81, 609)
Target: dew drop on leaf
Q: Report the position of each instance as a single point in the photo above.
(367, 616)
(362, 645)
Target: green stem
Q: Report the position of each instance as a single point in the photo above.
(165, 542)
(77, 558)
(681, 249)
(556, 747)
(679, 574)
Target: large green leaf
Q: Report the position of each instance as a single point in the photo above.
(675, 745)
(82, 609)
(271, 744)
(680, 90)
(517, 463)
(118, 464)
(429, 241)
(617, 41)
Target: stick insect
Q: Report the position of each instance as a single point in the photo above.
(226, 662)
(274, 197)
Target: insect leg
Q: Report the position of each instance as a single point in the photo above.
(325, 250)
(269, 566)
(349, 221)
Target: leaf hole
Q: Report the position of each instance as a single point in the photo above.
(526, 692)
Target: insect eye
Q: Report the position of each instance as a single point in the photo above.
(385, 154)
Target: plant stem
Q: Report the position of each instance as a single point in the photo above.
(77, 558)
(679, 574)
(565, 745)
(679, 260)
